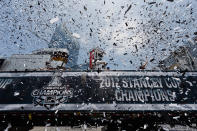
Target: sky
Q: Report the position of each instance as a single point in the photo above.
(131, 32)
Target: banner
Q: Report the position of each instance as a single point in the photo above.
(104, 91)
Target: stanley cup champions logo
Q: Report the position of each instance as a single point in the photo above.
(52, 95)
